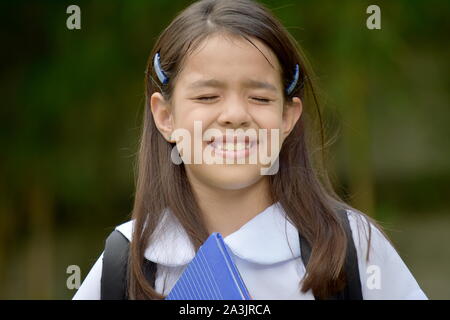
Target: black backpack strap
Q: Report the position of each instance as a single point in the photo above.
(114, 269)
(352, 290)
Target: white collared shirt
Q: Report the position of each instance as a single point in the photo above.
(266, 251)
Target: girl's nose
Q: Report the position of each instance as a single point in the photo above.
(234, 113)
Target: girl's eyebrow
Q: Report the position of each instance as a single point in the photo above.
(206, 83)
(249, 83)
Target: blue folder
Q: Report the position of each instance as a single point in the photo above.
(211, 275)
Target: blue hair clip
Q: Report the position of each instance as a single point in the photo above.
(291, 87)
(159, 72)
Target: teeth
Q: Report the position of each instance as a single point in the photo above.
(231, 146)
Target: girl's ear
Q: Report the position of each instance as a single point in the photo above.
(162, 115)
(291, 114)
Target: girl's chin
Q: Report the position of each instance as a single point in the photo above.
(233, 184)
(229, 177)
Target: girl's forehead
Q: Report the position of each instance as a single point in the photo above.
(229, 57)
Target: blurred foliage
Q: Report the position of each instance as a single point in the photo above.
(71, 111)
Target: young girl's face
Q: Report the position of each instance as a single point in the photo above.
(227, 83)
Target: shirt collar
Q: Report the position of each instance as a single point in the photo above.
(267, 238)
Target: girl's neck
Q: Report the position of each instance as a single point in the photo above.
(225, 211)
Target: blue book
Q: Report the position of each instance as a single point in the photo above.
(211, 275)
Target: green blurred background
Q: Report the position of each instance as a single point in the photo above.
(72, 103)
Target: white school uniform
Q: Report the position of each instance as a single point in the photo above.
(266, 251)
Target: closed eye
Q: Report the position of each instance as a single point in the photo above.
(212, 98)
(263, 100)
(207, 98)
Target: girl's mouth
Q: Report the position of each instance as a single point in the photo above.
(232, 147)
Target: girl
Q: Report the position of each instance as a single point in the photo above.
(229, 64)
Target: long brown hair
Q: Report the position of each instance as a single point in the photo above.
(301, 184)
